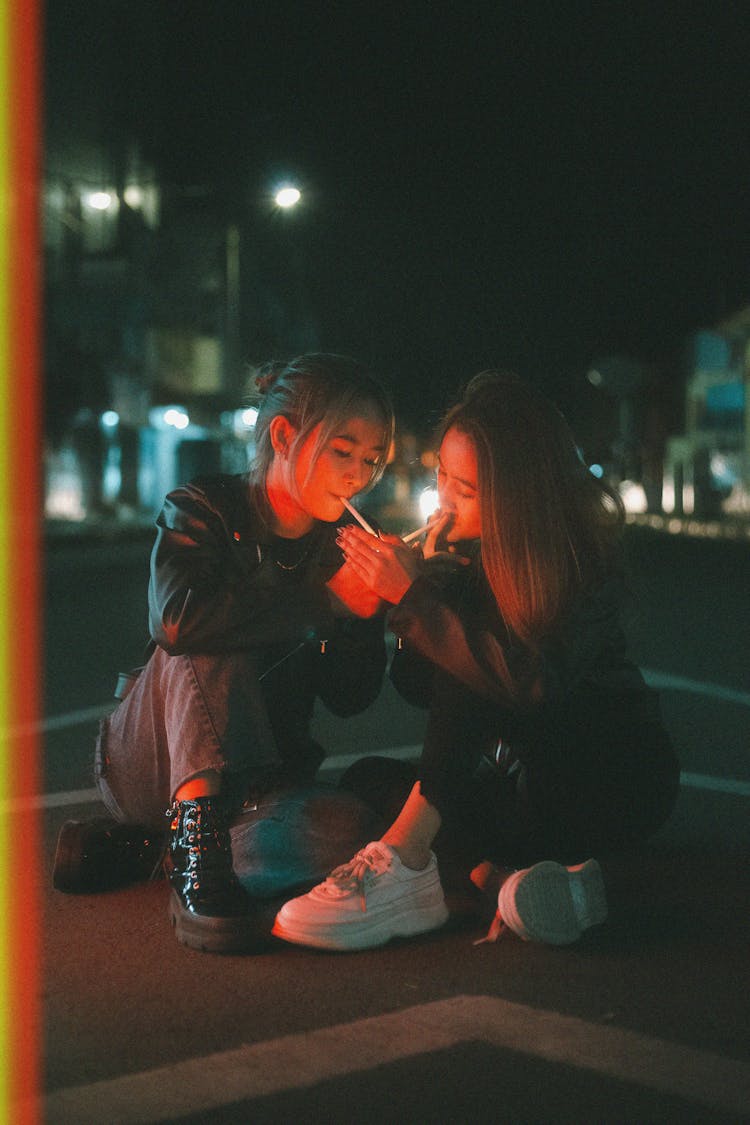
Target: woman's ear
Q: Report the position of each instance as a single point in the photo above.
(282, 434)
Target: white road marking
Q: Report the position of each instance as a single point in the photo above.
(660, 680)
(61, 722)
(663, 681)
(343, 761)
(734, 786)
(51, 800)
(716, 784)
(294, 1062)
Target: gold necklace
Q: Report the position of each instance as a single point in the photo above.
(292, 566)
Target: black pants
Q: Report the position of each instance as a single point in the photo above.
(586, 778)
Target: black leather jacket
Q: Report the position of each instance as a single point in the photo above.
(450, 619)
(583, 748)
(217, 585)
(450, 627)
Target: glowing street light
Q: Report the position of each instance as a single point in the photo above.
(176, 417)
(287, 197)
(99, 200)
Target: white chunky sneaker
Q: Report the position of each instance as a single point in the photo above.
(365, 903)
(550, 903)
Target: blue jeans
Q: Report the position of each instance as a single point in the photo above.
(184, 714)
(295, 837)
(189, 713)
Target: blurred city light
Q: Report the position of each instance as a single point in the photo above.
(99, 200)
(165, 417)
(110, 419)
(177, 418)
(64, 487)
(633, 496)
(112, 475)
(596, 471)
(287, 197)
(429, 502)
(668, 494)
(726, 469)
(133, 195)
(241, 421)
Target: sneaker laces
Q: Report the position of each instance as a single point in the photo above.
(481, 877)
(496, 930)
(359, 872)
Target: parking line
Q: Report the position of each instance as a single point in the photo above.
(661, 680)
(296, 1062)
(61, 722)
(664, 681)
(735, 787)
(716, 784)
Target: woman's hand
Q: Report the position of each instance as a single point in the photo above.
(351, 595)
(385, 564)
(439, 524)
(438, 527)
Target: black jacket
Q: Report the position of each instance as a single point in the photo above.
(589, 698)
(450, 619)
(217, 585)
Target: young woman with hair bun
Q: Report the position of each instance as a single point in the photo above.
(254, 614)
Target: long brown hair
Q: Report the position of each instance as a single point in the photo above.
(549, 527)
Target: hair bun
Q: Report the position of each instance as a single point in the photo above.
(267, 376)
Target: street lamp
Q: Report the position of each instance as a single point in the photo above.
(100, 200)
(287, 196)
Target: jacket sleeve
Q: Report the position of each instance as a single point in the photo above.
(200, 600)
(412, 675)
(350, 673)
(464, 645)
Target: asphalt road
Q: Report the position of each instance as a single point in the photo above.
(645, 1020)
(688, 621)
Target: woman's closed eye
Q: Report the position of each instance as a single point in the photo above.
(465, 494)
(346, 454)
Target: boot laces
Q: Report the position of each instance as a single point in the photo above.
(204, 844)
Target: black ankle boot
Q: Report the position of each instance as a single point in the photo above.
(208, 907)
(101, 855)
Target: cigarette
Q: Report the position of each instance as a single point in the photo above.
(359, 518)
(416, 533)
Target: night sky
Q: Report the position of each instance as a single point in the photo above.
(531, 188)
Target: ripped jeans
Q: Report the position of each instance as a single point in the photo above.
(189, 713)
(184, 714)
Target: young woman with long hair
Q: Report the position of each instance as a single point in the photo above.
(543, 744)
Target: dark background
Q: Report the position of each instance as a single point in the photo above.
(517, 185)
